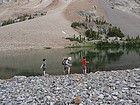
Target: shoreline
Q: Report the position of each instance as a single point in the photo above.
(107, 87)
(62, 74)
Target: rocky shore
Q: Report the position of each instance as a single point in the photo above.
(120, 87)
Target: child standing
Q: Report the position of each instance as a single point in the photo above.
(84, 65)
(43, 66)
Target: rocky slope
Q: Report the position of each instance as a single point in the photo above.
(130, 6)
(14, 8)
(46, 31)
(119, 13)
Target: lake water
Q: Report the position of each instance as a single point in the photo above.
(27, 62)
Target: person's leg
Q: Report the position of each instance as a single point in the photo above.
(65, 69)
(68, 70)
(84, 70)
(44, 72)
(65, 72)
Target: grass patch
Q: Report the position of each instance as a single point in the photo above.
(82, 45)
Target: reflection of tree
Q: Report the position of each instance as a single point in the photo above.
(78, 53)
(97, 59)
(113, 57)
(132, 49)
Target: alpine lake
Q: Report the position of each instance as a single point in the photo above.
(27, 62)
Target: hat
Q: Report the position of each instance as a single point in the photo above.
(69, 58)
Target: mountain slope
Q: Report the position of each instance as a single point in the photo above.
(46, 31)
(128, 22)
(52, 29)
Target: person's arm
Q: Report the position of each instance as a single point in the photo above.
(87, 61)
(41, 66)
(67, 63)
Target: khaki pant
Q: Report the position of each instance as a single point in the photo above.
(66, 69)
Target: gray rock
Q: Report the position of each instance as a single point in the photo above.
(115, 88)
(101, 96)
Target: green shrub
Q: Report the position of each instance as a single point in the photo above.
(9, 21)
(91, 34)
(77, 24)
(115, 32)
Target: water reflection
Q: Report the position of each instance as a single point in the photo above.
(27, 62)
(107, 58)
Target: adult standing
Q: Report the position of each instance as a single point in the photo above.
(66, 63)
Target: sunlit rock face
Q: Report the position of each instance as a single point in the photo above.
(8, 1)
(16, 1)
(4, 1)
(14, 8)
(125, 3)
(130, 6)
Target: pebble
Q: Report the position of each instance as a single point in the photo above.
(100, 88)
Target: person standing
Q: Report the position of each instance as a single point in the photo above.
(66, 63)
(44, 66)
(84, 65)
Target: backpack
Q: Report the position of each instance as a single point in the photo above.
(64, 61)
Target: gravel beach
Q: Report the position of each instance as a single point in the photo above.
(120, 87)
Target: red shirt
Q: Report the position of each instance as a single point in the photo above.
(84, 62)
